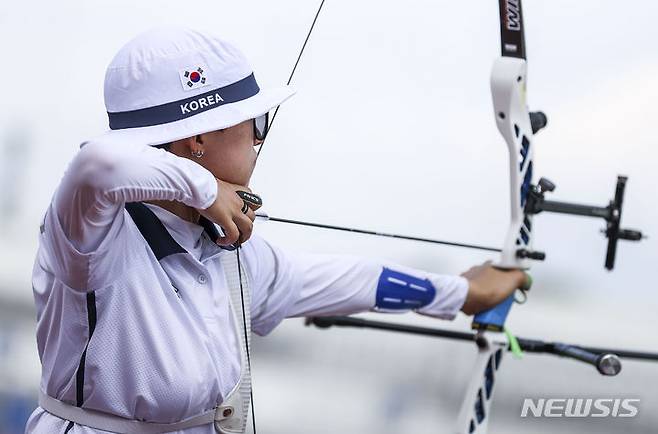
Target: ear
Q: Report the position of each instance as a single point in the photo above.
(186, 147)
(196, 143)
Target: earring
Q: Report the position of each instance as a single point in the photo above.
(198, 150)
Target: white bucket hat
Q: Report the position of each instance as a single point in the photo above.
(172, 83)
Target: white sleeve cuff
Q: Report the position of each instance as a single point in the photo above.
(208, 193)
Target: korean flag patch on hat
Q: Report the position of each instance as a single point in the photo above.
(193, 78)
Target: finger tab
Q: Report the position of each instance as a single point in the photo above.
(251, 198)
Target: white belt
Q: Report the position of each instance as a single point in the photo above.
(118, 424)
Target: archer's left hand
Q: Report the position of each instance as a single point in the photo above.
(489, 286)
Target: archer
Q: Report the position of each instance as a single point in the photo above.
(145, 308)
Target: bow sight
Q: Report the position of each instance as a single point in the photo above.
(536, 203)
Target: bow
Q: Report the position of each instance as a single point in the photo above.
(518, 127)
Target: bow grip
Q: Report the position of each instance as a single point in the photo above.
(494, 319)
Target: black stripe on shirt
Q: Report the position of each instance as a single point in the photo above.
(68, 428)
(80, 374)
(154, 232)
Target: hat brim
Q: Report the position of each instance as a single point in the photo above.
(218, 118)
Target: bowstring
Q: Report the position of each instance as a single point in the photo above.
(246, 341)
(237, 251)
(292, 73)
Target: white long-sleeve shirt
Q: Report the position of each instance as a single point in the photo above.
(123, 331)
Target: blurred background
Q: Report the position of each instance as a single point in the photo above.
(391, 130)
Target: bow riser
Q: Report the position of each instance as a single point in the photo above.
(508, 89)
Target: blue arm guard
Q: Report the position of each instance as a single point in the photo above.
(398, 292)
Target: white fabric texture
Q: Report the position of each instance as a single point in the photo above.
(164, 346)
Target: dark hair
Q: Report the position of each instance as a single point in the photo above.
(165, 146)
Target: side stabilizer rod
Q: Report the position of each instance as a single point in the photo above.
(606, 360)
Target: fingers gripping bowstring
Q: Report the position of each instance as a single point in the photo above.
(292, 73)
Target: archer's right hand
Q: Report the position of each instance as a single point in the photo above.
(231, 214)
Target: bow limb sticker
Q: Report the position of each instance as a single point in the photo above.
(193, 78)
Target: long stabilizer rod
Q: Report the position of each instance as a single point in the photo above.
(263, 216)
(530, 345)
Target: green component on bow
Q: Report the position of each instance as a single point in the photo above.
(514, 346)
(528, 282)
